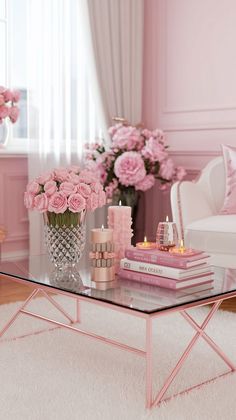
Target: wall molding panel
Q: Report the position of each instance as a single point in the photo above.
(13, 214)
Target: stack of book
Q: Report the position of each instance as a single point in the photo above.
(163, 269)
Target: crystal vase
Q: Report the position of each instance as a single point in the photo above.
(65, 236)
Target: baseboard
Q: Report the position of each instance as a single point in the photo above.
(16, 254)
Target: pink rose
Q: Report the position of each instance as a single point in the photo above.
(29, 201)
(92, 201)
(7, 95)
(129, 168)
(42, 179)
(2, 100)
(14, 113)
(74, 168)
(87, 177)
(15, 95)
(74, 178)
(146, 183)
(76, 203)
(33, 188)
(61, 174)
(57, 203)
(84, 189)
(68, 188)
(41, 202)
(126, 138)
(50, 188)
(167, 169)
(96, 187)
(4, 111)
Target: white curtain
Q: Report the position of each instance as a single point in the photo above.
(117, 31)
(65, 108)
(84, 67)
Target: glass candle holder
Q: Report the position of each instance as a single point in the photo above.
(167, 235)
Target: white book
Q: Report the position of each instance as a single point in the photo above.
(163, 271)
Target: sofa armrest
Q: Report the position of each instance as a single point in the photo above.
(193, 203)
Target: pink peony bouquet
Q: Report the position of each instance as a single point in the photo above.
(63, 193)
(8, 107)
(135, 160)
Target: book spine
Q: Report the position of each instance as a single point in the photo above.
(153, 269)
(147, 279)
(168, 260)
(159, 281)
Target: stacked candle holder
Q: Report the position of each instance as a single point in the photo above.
(167, 235)
(119, 219)
(102, 255)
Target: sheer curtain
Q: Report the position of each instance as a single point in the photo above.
(65, 108)
(117, 32)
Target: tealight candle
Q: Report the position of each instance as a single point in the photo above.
(145, 244)
(167, 235)
(181, 251)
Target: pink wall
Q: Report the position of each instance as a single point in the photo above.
(189, 84)
(13, 215)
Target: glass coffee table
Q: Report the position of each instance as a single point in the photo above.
(131, 298)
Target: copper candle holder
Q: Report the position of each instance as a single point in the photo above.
(167, 235)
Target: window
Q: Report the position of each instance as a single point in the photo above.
(13, 69)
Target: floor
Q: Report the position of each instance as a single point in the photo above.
(11, 291)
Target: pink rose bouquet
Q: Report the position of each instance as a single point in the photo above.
(63, 193)
(8, 107)
(136, 158)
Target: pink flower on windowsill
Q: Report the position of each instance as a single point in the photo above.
(8, 109)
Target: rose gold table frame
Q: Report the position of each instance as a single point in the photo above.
(151, 401)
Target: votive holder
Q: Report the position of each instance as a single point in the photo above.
(166, 236)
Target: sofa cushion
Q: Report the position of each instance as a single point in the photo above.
(215, 234)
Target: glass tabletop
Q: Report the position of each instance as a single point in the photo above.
(125, 293)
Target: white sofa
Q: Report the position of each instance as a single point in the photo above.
(204, 228)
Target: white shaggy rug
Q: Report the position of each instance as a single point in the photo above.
(59, 375)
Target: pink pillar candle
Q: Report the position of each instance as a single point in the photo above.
(102, 255)
(119, 219)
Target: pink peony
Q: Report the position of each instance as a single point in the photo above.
(68, 188)
(84, 189)
(29, 201)
(154, 150)
(61, 174)
(41, 203)
(180, 173)
(167, 169)
(146, 183)
(50, 188)
(4, 111)
(92, 201)
(126, 138)
(42, 179)
(33, 188)
(129, 168)
(76, 203)
(14, 114)
(111, 188)
(114, 128)
(57, 203)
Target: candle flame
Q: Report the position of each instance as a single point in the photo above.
(145, 239)
(167, 219)
(120, 203)
(102, 227)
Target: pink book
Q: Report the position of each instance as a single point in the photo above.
(164, 281)
(154, 256)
